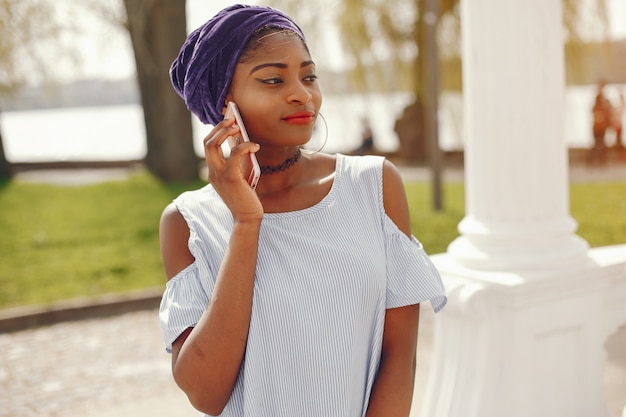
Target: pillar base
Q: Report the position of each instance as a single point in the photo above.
(519, 245)
(522, 344)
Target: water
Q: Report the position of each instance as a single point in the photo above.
(86, 133)
(118, 133)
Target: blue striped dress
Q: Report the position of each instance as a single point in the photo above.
(324, 277)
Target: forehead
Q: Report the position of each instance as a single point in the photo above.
(273, 45)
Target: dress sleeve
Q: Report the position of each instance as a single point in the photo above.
(411, 276)
(183, 302)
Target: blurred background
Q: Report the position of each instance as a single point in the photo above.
(83, 84)
(69, 91)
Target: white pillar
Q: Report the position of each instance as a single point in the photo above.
(529, 304)
(517, 212)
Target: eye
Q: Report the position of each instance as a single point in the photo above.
(310, 78)
(271, 81)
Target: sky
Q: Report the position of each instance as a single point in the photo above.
(107, 53)
(112, 55)
(618, 18)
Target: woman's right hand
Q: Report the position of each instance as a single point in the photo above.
(226, 175)
(207, 358)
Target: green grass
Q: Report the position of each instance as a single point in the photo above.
(64, 242)
(600, 210)
(435, 229)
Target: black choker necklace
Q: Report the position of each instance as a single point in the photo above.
(289, 162)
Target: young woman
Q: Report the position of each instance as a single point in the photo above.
(300, 297)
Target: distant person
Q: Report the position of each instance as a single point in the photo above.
(601, 113)
(367, 139)
(617, 116)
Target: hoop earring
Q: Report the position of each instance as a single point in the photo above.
(307, 152)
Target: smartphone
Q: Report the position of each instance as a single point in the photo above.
(249, 166)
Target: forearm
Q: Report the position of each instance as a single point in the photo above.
(393, 389)
(209, 360)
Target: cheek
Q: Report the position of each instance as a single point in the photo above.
(317, 99)
(257, 122)
(316, 96)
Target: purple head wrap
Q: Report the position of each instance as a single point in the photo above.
(203, 71)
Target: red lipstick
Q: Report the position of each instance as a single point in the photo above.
(300, 118)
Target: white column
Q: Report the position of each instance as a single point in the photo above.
(529, 305)
(517, 212)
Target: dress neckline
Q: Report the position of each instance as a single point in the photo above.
(325, 201)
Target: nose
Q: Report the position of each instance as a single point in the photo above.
(300, 94)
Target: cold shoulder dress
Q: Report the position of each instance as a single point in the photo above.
(325, 276)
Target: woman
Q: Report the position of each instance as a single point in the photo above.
(299, 298)
(601, 112)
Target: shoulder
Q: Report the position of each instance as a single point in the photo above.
(172, 219)
(360, 165)
(373, 165)
(201, 195)
(324, 163)
(173, 238)
(360, 160)
(197, 206)
(392, 179)
(394, 197)
(389, 182)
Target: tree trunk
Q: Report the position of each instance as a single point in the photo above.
(410, 130)
(157, 31)
(410, 127)
(6, 173)
(430, 75)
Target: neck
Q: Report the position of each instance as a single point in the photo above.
(286, 164)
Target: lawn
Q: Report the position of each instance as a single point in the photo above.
(63, 242)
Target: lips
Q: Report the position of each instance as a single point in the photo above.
(300, 118)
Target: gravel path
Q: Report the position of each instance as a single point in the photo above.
(81, 368)
(117, 366)
(108, 367)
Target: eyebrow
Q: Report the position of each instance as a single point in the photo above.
(279, 65)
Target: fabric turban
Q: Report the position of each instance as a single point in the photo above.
(203, 71)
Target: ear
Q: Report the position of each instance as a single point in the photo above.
(228, 99)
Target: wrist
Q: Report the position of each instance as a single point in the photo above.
(249, 225)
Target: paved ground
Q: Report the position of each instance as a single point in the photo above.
(79, 176)
(116, 366)
(87, 368)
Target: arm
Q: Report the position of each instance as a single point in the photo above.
(206, 359)
(393, 389)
